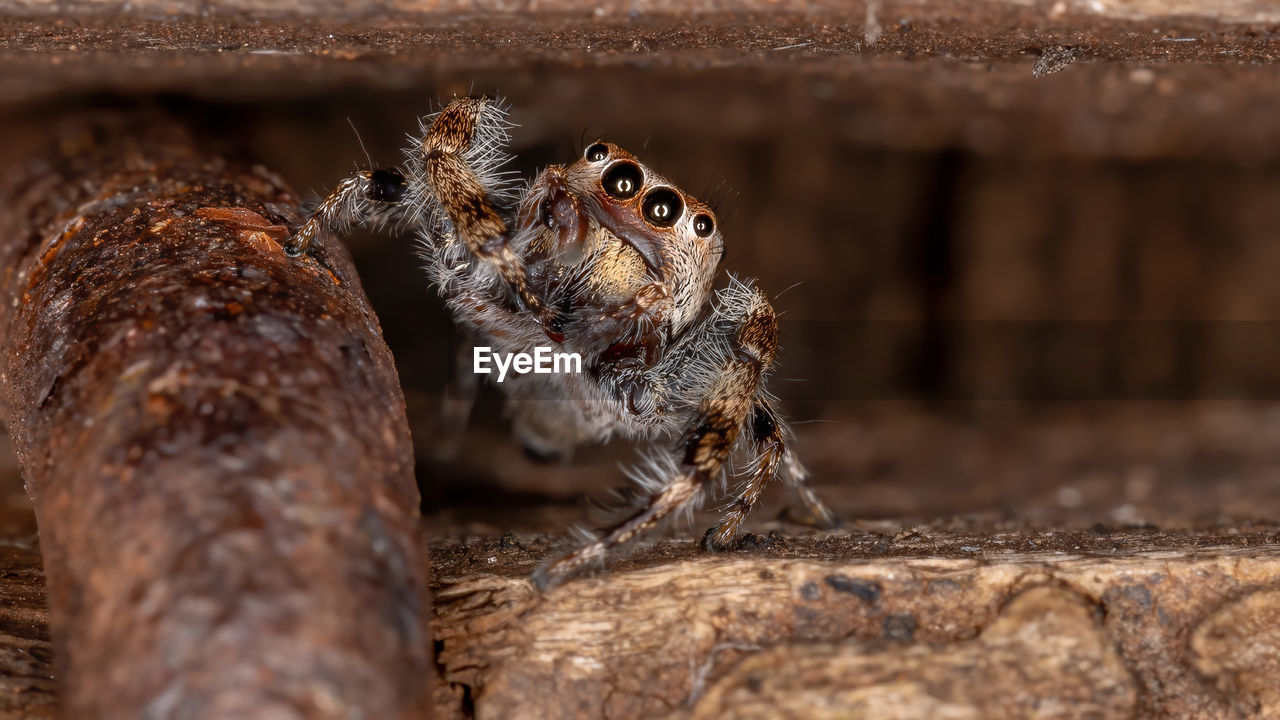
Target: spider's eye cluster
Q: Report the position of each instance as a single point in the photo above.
(597, 152)
(661, 207)
(623, 180)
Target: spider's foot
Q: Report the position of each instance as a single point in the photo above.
(295, 246)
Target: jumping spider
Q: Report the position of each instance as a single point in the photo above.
(605, 258)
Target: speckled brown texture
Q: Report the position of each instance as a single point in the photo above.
(214, 438)
(1238, 649)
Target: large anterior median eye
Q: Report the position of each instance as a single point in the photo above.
(663, 207)
(623, 180)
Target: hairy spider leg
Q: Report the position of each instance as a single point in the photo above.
(772, 438)
(770, 446)
(453, 184)
(457, 189)
(721, 417)
(367, 196)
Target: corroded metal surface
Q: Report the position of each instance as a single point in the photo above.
(214, 438)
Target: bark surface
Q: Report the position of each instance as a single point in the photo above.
(213, 436)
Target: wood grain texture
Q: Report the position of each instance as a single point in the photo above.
(816, 628)
(997, 634)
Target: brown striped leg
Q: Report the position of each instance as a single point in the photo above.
(677, 494)
(769, 436)
(773, 457)
(706, 447)
(457, 188)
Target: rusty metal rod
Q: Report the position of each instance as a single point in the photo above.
(214, 437)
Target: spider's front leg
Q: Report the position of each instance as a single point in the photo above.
(721, 416)
(451, 175)
(363, 197)
(462, 145)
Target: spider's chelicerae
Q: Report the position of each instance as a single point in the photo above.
(607, 259)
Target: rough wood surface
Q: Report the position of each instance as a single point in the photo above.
(920, 77)
(1095, 627)
(1241, 11)
(1045, 655)
(213, 436)
(861, 625)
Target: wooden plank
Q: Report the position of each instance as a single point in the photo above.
(1103, 625)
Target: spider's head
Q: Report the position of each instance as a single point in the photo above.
(616, 225)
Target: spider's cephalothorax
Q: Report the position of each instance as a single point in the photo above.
(607, 259)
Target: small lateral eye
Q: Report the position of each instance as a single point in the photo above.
(703, 225)
(623, 180)
(663, 207)
(597, 152)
